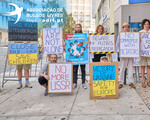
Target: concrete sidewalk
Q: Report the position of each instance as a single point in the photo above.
(31, 104)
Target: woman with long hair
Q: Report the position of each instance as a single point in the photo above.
(143, 60)
(97, 57)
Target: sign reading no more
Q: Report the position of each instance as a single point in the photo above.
(60, 78)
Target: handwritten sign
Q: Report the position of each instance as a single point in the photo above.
(115, 57)
(136, 62)
(22, 31)
(104, 80)
(76, 48)
(52, 40)
(22, 54)
(60, 78)
(129, 45)
(145, 44)
(102, 43)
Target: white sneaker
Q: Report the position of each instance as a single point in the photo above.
(84, 86)
(74, 85)
(19, 86)
(28, 85)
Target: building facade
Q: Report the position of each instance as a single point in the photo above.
(132, 12)
(104, 14)
(81, 12)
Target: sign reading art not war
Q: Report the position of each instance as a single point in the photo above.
(60, 78)
(102, 43)
(145, 44)
(52, 40)
(22, 31)
(129, 44)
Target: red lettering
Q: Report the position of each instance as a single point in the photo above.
(61, 69)
(57, 83)
(57, 69)
(53, 77)
(66, 76)
(60, 85)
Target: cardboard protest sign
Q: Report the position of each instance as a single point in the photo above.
(102, 43)
(129, 45)
(76, 48)
(22, 31)
(61, 79)
(115, 57)
(22, 53)
(136, 62)
(104, 80)
(145, 44)
(52, 40)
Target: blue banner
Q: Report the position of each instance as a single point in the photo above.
(47, 12)
(138, 1)
(76, 49)
(103, 72)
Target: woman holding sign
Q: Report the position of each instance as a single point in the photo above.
(143, 60)
(97, 57)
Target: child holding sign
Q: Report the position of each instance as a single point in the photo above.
(143, 60)
(125, 62)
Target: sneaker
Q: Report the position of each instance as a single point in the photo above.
(74, 85)
(84, 86)
(120, 86)
(132, 85)
(46, 91)
(19, 86)
(28, 85)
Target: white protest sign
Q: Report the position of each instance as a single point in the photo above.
(136, 62)
(52, 40)
(129, 45)
(60, 78)
(145, 44)
(102, 43)
(115, 57)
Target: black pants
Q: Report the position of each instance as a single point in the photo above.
(75, 72)
(42, 80)
(97, 57)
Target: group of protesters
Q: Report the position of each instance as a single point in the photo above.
(124, 62)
